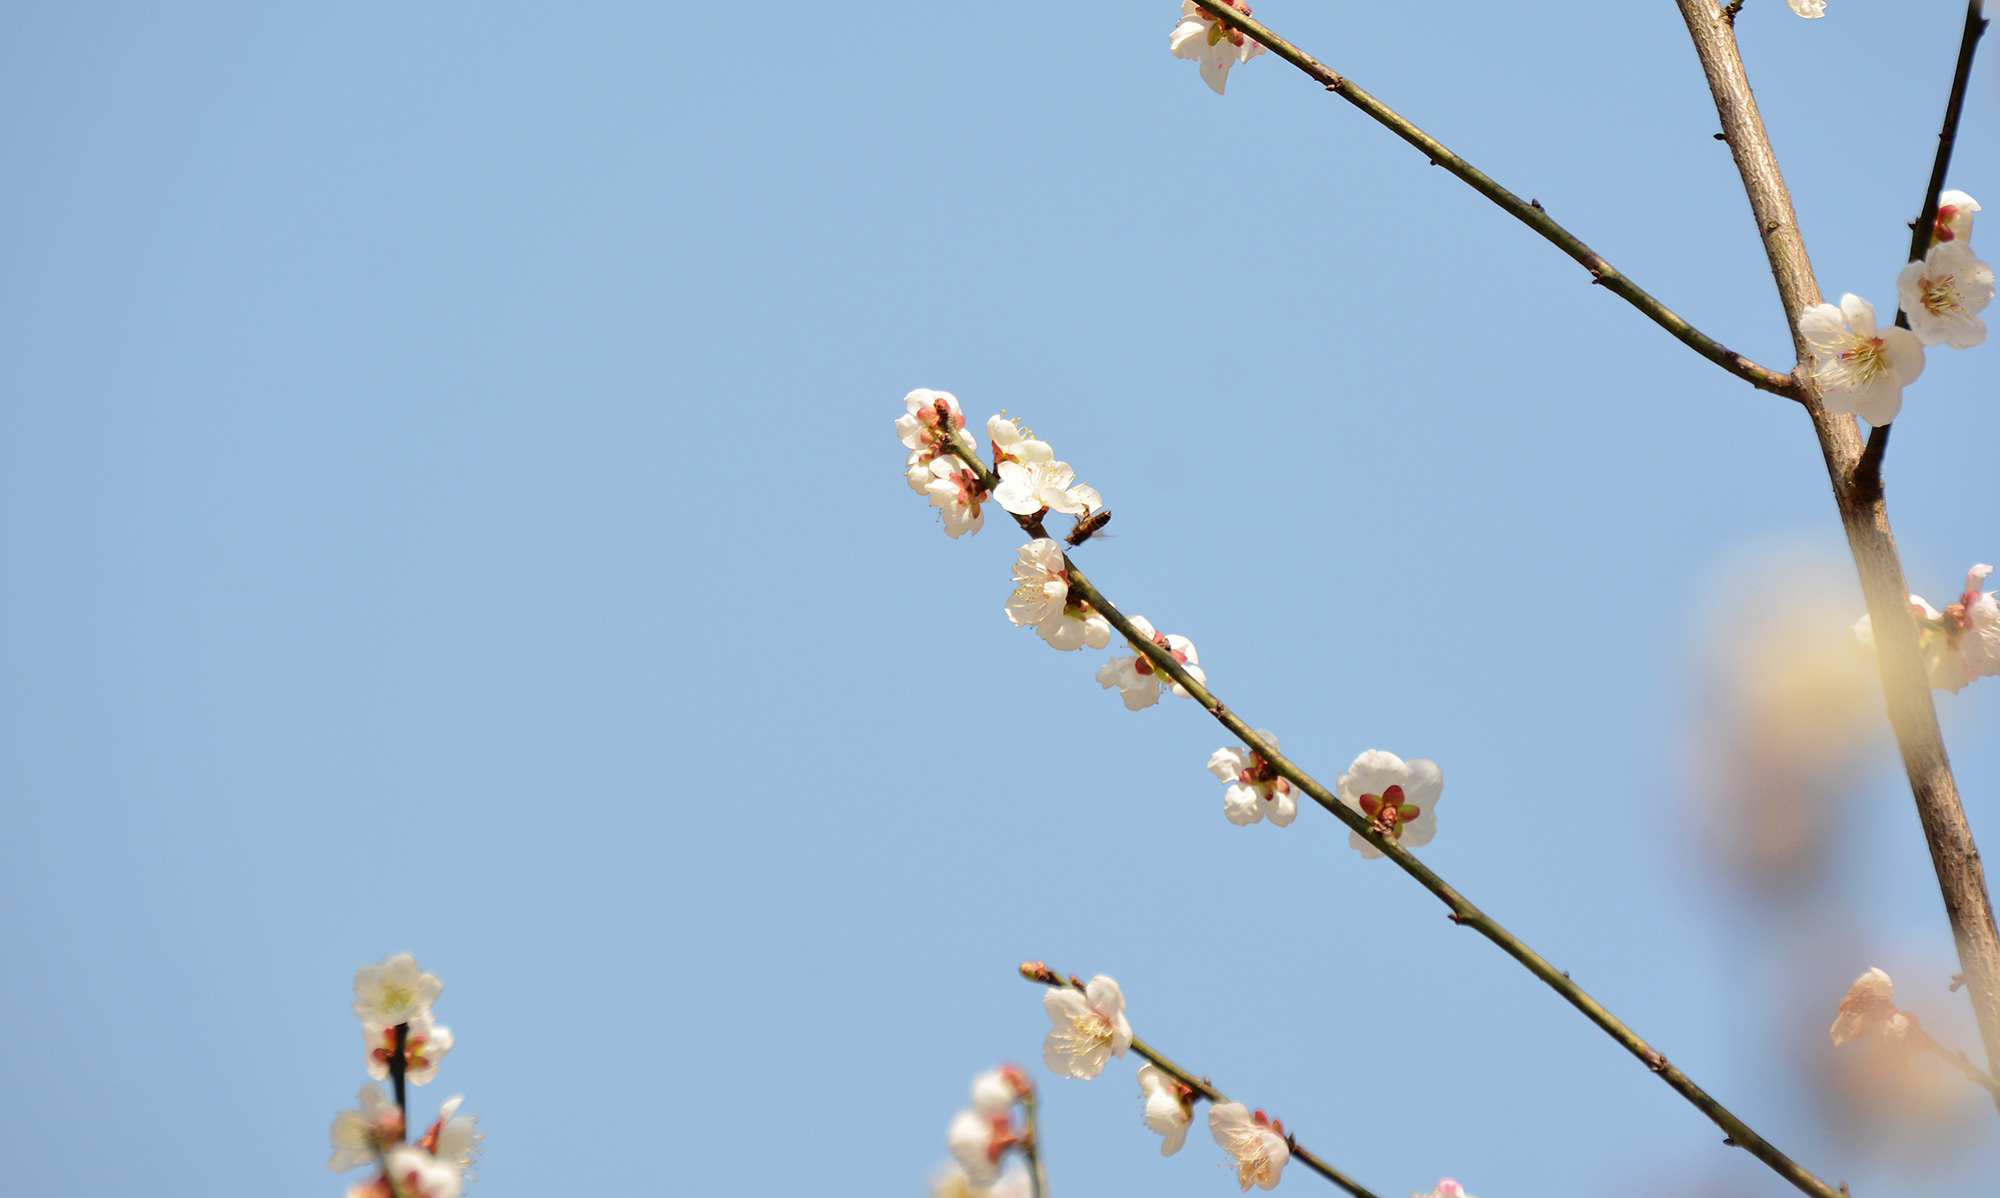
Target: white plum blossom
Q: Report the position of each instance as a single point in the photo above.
(1255, 790)
(995, 1091)
(1137, 681)
(1167, 1106)
(361, 1135)
(1089, 1028)
(1041, 597)
(1868, 1011)
(423, 1047)
(1958, 644)
(1860, 368)
(417, 1174)
(932, 418)
(1805, 8)
(1257, 1143)
(394, 991)
(1954, 217)
(1400, 797)
(953, 1181)
(956, 493)
(1944, 293)
(1010, 444)
(1448, 1188)
(454, 1137)
(976, 1142)
(1030, 485)
(1211, 43)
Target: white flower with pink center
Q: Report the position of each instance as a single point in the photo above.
(424, 1045)
(1958, 644)
(1399, 798)
(976, 1141)
(1954, 217)
(1041, 598)
(1211, 43)
(1258, 1143)
(1138, 680)
(1255, 790)
(1030, 486)
(1860, 368)
(1944, 293)
(1169, 1106)
(956, 493)
(928, 430)
(1089, 1028)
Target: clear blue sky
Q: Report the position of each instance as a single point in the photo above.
(449, 505)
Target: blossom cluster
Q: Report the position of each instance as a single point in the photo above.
(1211, 42)
(980, 1136)
(1958, 644)
(1027, 481)
(404, 1044)
(1861, 368)
(1399, 798)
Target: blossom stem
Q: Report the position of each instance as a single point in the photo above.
(1925, 228)
(1528, 212)
(1031, 1145)
(399, 1065)
(1865, 516)
(1035, 971)
(1959, 1061)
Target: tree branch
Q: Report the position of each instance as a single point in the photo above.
(1528, 212)
(1463, 913)
(1031, 1147)
(1035, 971)
(1865, 516)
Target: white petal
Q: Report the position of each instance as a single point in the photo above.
(1241, 806)
(1860, 315)
(1227, 762)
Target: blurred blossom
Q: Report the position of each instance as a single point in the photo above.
(1788, 718)
(417, 1174)
(360, 1135)
(1868, 1010)
(995, 1091)
(1960, 643)
(394, 991)
(976, 1142)
(1806, 8)
(1446, 1188)
(952, 1181)
(423, 1047)
(1257, 1143)
(454, 1137)
(1168, 1109)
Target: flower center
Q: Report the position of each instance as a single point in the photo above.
(1939, 294)
(1860, 364)
(1390, 811)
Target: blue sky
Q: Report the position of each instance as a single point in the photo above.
(451, 507)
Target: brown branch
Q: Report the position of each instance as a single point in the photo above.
(1528, 212)
(1864, 515)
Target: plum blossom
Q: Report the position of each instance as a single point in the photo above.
(1954, 216)
(1041, 597)
(1958, 644)
(1257, 1143)
(454, 1137)
(956, 493)
(932, 418)
(1944, 293)
(976, 1142)
(1214, 45)
(1449, 1188)
(1089, 1028)
(1860, 368)
(1805, 8)
(1010, 444)
(995, 1091)
(1255, 789)
(415, 1173)
(1137, 681)
(953, 1181)
(1168, 1106)
(361, 1135)
(1029, 486)
(1868, 1011)
(423, 1047)
(1399, 797)
(394, 991)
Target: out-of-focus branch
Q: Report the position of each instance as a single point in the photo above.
(1462, 912)
(1865, 516)
(1528, 212)
(1035, 971)
(1031, 1145)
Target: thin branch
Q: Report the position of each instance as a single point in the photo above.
(1035, 971)
(1528, 212)
(1865, 516)
(1031, 1146)
(1463, 913)
(1922, 232)
(1957, 1060)
(399, 1065)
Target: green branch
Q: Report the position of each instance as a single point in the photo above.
(1528, 212)
(1035, 971)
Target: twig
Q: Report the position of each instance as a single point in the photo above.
(1462, 911)
(399, 1065)
(1031, 1145)
(1035, 971)
(1921, 232)
(1527, 212)
(1957, 1060)
(1898, 662)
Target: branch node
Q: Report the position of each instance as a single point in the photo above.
(1730, 1142)
(1536, 205)
(1721, 137)
(1957, 980)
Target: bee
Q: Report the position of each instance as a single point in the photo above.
(1087, 526)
